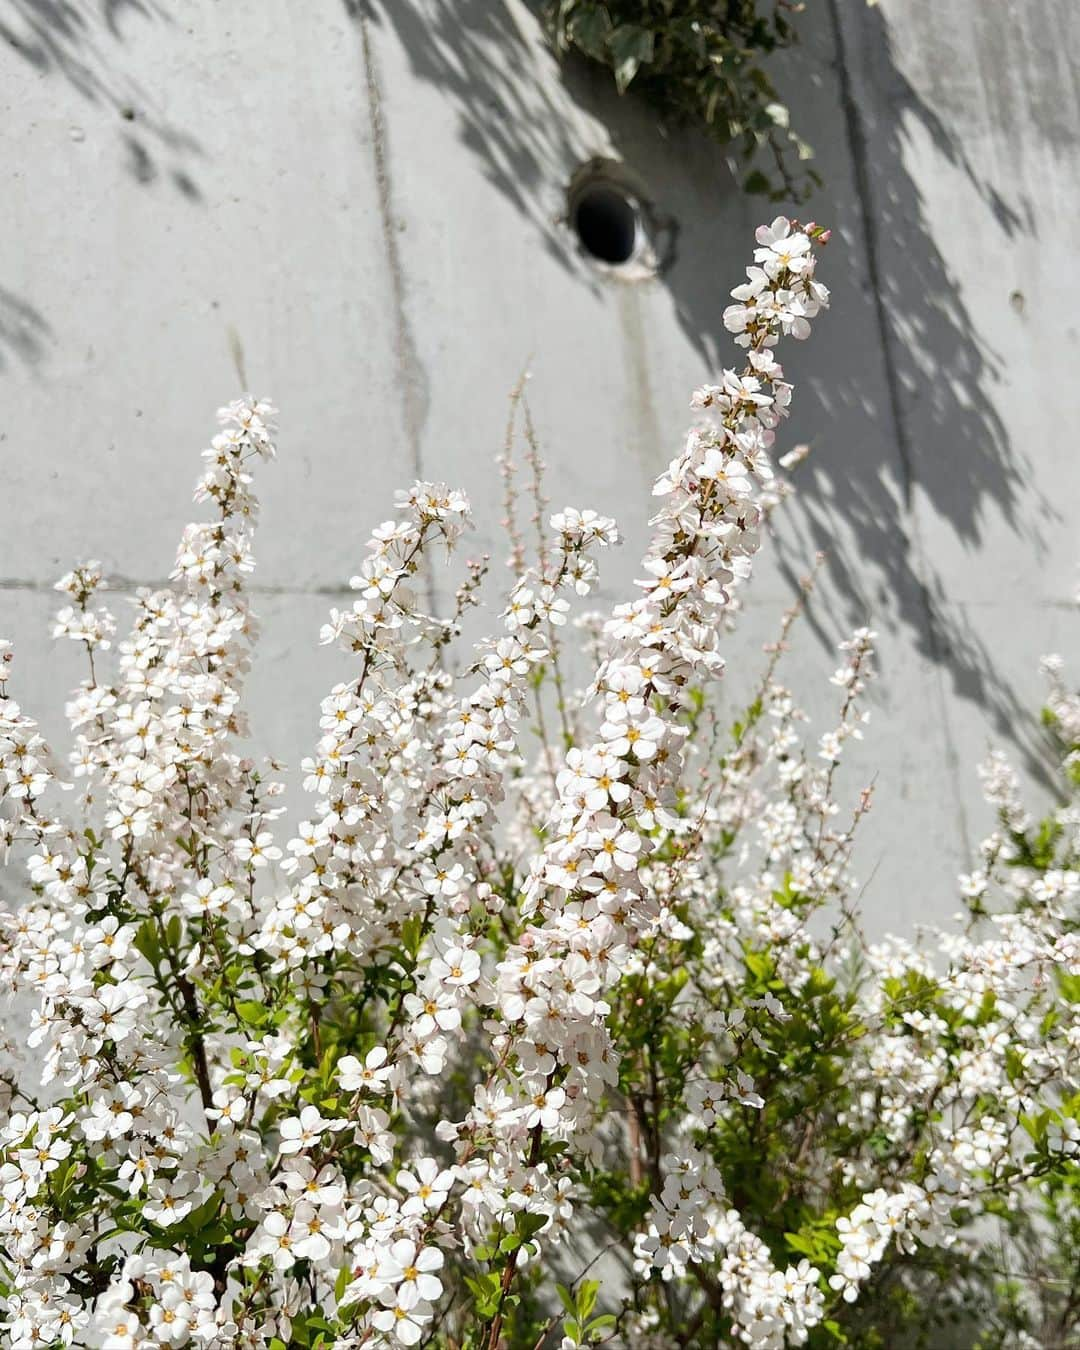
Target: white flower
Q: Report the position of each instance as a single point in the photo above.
(257, 851)
(403, 1321)
(373, 1075)
(304, 1131)
(426, 1186)
(456, 967)
(544, 1107)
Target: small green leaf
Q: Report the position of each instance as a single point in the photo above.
(590, 30)
(342, 1282)
(252, 1012)
(146, 942)
(630, 47)
(412, 934)
(756, 184)
(586, 1298)
(486, 1290)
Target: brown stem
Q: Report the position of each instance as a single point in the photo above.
(654, 1130)
(511, 1264)
(633, 1139)
(196, 1042)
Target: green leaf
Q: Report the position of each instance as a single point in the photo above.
(528, 1225)
(630, 48)
(412, 934)
(252, 1012)
(146, 942)
(759, 964)
(202, 1216)
(756, 184)
(590, 30)
(486, 1290)
(586, 1298)
(1069, 986)
(798, 1243)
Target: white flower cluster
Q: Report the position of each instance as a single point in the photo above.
(342, 1085)
(93, 942)
(971, 1067)
(587, 897)
(690, 1223)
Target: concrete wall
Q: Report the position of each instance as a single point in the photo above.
(357, 208)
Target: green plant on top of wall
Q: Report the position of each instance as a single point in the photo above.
(700, 62)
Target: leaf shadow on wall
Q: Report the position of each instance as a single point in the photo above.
(899, 321)
(82, 42)
(25, 336)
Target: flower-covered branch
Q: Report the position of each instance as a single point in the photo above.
(551, 1020)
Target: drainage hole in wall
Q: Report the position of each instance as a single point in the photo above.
(606, 221)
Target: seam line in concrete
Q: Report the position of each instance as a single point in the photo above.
(125, 585)
(414, 390)
(864, 192)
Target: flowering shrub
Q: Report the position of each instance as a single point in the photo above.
(553, 1024)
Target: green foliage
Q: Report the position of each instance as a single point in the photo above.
(803, 1023)
(579, 1326)
(700, 63)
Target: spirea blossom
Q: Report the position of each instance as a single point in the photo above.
(534, 976)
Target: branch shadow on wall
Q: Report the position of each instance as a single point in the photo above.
(938, 429)
(81, 42)
(25, 336)
(943, 437)
(514, 123)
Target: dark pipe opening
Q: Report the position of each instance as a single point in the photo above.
(606, 222)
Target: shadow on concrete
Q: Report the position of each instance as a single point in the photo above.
(897, 395)
(77, 40)
(951, 459)
(24, 334)
(476, 54)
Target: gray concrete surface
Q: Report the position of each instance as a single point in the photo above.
(357, 208)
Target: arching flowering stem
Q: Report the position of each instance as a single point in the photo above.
(373, 1080)
(586, 899)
